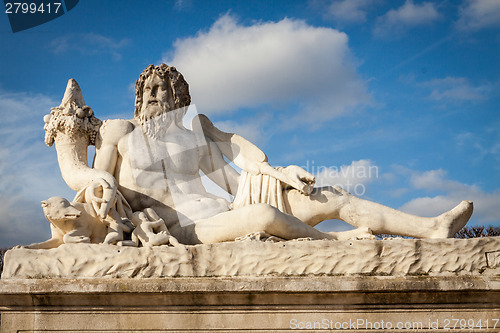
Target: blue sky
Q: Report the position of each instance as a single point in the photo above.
(396, 100)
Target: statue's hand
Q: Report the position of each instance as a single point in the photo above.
(173, 241)
(299, 179)
(102, 195)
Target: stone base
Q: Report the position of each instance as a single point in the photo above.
(264, 304)
(433, 257)
(361, 286)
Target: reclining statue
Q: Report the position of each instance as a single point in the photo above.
(153, 162)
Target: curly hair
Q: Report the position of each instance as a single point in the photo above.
(174, 79)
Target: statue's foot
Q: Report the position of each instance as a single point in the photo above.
(157, 240)
(453, 220)
(359, 233)
(173, 241)
(112, 237)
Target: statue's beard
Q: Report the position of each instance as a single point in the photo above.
(156, 121)
(152, 110)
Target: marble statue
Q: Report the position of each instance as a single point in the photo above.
(70, 222)
(150, 230)
(146, 175)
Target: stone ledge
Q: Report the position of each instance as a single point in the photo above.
(335, 293)
(428, 257)
(263, 284)
(243, 304)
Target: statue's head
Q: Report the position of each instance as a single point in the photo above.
(59, 209)
(160, 89)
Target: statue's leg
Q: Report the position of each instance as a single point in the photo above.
(48, 244)
(230, 225)
(115, 234)
(335, 203)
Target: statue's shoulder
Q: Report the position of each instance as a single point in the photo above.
(113, 130)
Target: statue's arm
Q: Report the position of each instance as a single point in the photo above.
(250, 158)
(218, 170)
(237, 149)
(110, 134)
(105, 159)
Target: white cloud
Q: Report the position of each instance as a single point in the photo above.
(479, 14)
(183, 4)
(22, 221)
(453, 192)
(348, 11)
(429, 206)
(434, 180)
(231, 66)
(456, 89)
(255, 129)
(28, 169)
(352, 178)
(482, 144)
(89, 44)
(396, 21)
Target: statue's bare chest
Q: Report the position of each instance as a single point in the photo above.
(177, 152)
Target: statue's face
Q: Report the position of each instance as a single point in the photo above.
(155, 97)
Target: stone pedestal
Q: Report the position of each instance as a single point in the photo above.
(432, 257)
(264, 304)
(360, 286)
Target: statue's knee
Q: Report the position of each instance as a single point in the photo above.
(334, 196)
(265, 215)
(339, 191)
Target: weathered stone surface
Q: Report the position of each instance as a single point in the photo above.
(245, 304)
(254, 258)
